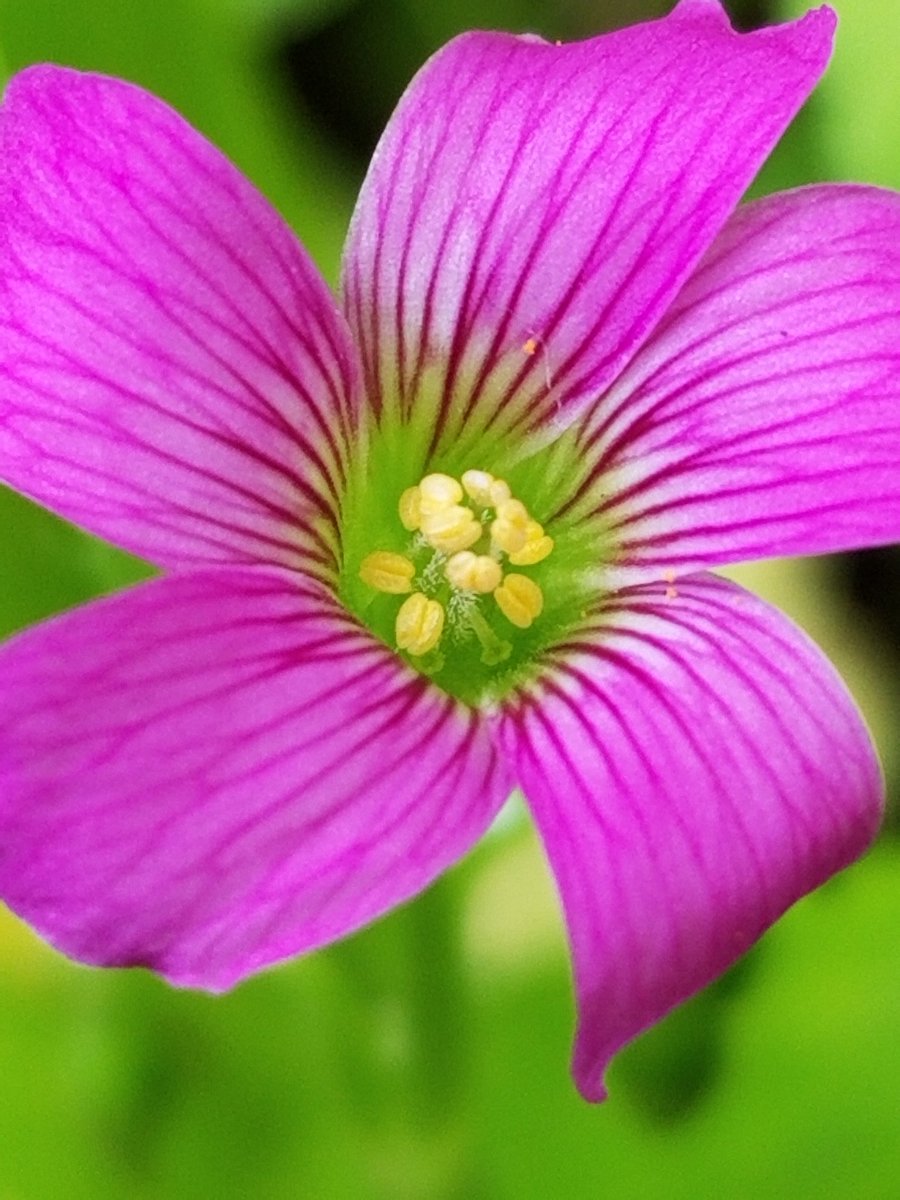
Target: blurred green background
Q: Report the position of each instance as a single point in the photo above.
(428, 1056)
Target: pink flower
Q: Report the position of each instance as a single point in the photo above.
(561, 357)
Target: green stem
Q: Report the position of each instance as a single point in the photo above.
(409, 1064)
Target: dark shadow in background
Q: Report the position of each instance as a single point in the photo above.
(348, 71)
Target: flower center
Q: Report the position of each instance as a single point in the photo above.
(463, 536)
(465, 559)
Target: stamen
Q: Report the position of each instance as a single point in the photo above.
(451, 529)
(520, 600)
(500, 491)
(478, 487)
(387, 572)
(537, 547)
(464, 533)
(510, 530)
(410, 508)
(438, 492)
(484, 489)
(419, 624)
(473, 572)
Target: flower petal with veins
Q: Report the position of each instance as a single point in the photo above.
(694, 765)
(763, 414)
(214, 771)
(544, 292)
(176, 376)
(532, 209)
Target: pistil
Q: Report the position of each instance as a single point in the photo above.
(494, 650)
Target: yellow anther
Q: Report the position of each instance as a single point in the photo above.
(485, 490)
(438, 492)
(507, 537)
(500, 492)
(387, 572)
(473, 572)
(419, 624)
(519, 599)
(537, 547)
(478, 487)
(411, 508)
(513, 511)
(452, 529)
(510, 530)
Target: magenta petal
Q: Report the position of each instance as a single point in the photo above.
(176, 376)
(532, 209)
(215, 771)
(763, 416)
(694, 765)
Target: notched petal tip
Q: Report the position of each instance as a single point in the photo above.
(823, 16)
(809, 38)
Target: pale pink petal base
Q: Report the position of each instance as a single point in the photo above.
(694, 765)
(210, 773)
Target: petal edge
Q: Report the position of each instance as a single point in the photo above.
(694, 766)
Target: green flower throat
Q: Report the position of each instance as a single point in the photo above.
(468, 573)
